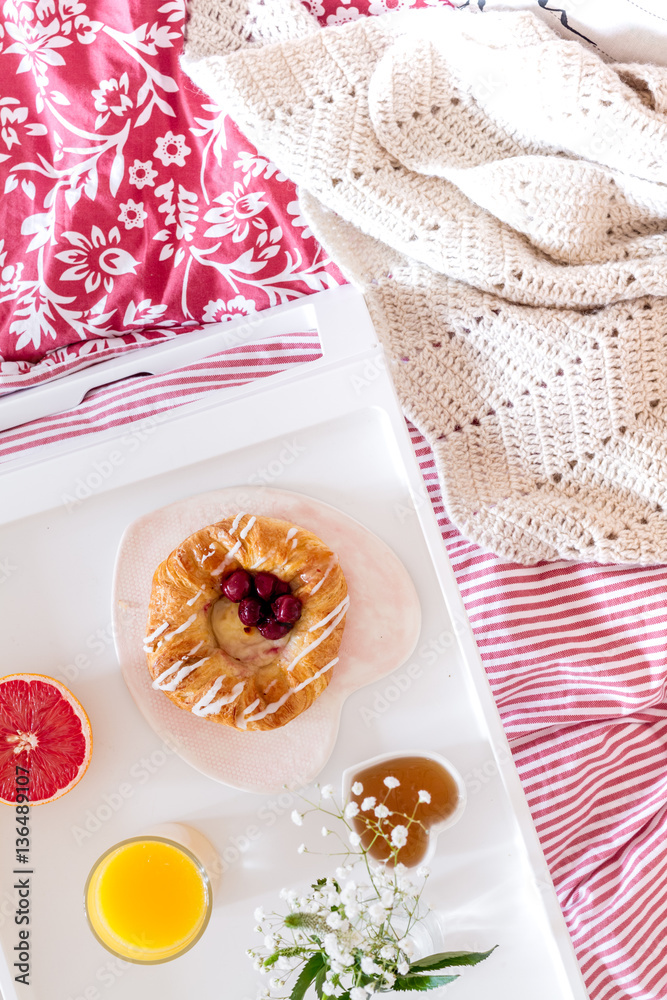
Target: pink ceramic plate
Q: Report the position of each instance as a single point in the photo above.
(382, 627)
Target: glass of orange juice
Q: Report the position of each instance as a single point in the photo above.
(148, 899)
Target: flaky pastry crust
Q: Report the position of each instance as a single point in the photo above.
(186, 661)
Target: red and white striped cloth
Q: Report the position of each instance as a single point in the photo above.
(133, 209)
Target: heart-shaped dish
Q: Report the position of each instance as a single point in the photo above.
(409, 772)
(382, 628)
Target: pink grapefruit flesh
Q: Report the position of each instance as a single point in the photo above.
(44, 729)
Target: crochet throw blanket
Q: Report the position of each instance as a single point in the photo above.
(499, 195)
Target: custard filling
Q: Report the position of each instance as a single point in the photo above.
(243, 642)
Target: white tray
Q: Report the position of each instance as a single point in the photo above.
(343, 440)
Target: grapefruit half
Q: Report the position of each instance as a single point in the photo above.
(45, 732)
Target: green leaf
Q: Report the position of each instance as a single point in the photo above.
(405, 983)
(319, 981)
(306, 976)
(450, 958)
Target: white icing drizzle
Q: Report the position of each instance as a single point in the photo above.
(210, 552)
(230, 555)
(235, 523)
(275, 705)
(318, 585)
(193, 599)
(332, 614)
(181, 675)
(181, 628)
(242, 723)
(204, 706)
(291, 533)
(295, 542)
(315, 644)
(247, 527)
(258, 563)
(157, 683)
(158, 631)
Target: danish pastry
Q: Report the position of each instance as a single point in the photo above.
(245, 620)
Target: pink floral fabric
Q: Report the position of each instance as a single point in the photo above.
(132, 208)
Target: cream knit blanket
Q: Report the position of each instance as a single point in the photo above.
(500, 196)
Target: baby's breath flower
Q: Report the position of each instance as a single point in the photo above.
(391, 782)
(399, 836)
(423, 871)
(424, 796)
(349, 892)
(331, 945)
(406, 945)
(349, 927)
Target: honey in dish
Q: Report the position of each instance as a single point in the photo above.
(414, 774)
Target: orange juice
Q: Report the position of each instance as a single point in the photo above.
(148, 899)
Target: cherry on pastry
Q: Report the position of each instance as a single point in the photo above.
(287, 609)
(272, 629)
(251, 610)
(265, 585)
(237, 585)
(281, 587)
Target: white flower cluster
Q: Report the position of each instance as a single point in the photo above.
(359, 929)
(353, 926)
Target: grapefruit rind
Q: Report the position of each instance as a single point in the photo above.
(77, 710)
